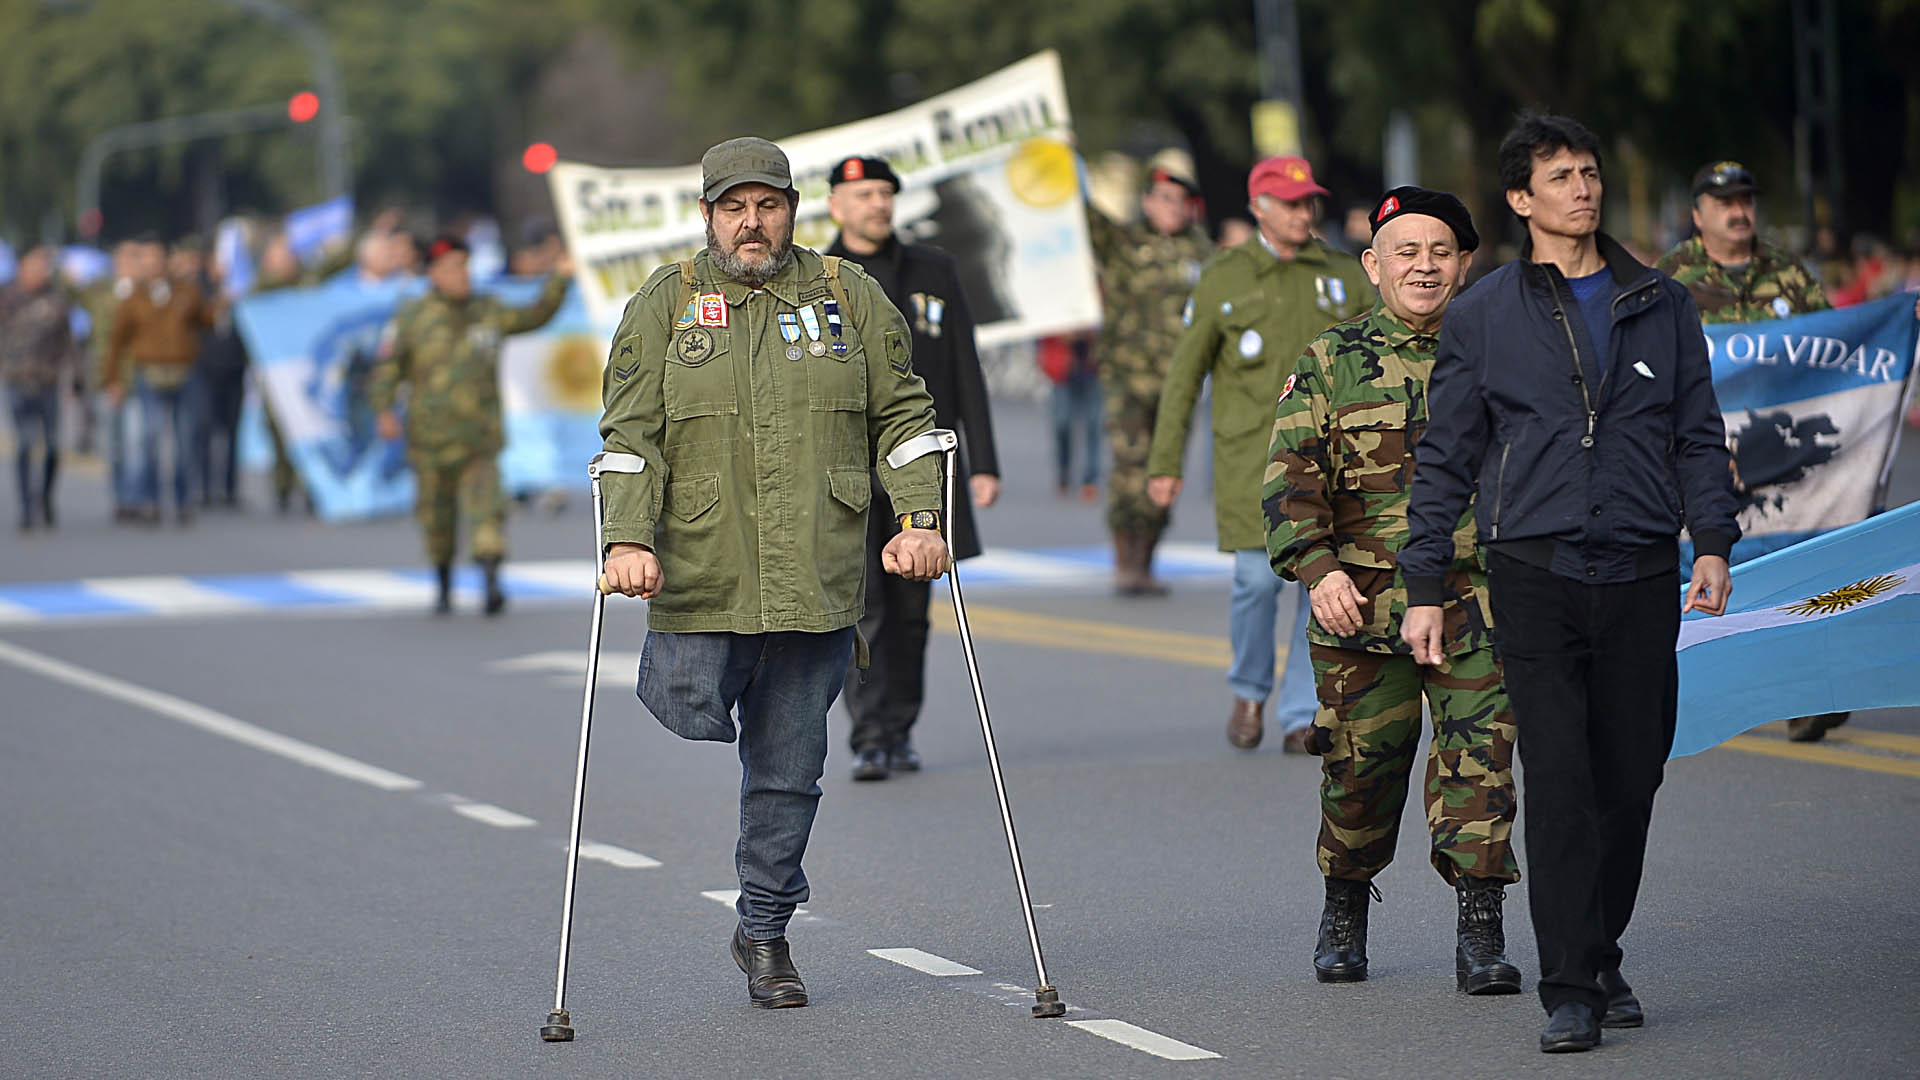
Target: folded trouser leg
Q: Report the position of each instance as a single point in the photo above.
(1367, 732)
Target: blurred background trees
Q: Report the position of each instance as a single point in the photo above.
(444, 95)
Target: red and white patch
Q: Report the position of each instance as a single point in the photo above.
(1388, 208)
(855, 170)
(1288, 388)
(713, 309)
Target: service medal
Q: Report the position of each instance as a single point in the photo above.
(817, 347)
(793, 352)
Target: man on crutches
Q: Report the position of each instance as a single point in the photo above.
(748, 393)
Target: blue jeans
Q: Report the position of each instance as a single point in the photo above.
(1256, 604)
(1077, 403)
(35, 411)
(173, 412)
(783, 684)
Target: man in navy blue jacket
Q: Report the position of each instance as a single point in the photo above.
(1572, 392)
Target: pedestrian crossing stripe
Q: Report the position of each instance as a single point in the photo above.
(549, 582)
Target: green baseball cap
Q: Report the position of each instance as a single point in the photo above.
(744, 160)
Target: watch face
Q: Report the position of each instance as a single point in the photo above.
(925, 519)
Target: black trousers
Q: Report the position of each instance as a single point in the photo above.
(218, 453)
(884, 700)
(1594, 681)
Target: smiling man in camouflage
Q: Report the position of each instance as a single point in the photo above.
(1335, 503)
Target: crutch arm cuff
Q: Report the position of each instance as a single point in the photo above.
(939, 440)
(608, 461)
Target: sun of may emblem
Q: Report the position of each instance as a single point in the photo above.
(1846, 596)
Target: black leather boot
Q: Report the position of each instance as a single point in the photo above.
(1480, 963)
(443, 603)
(496, 600)
(1341, 953)
(1623, 1008)
(772, 982)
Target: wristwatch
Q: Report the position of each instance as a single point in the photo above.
(921, 519)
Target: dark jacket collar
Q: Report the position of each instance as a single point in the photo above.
(1629, 273)
(889, 252)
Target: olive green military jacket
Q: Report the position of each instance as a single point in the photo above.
(1773, 285)
(757, 450)
(1250, 316)
(1340, 474)
(448, 353)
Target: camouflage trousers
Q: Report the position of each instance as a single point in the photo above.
(1130, 419)
(1367, 732)
(450, 484)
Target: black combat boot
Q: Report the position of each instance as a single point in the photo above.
(443, 572)
(496, 600)
(1479, 960)
(1341, 954)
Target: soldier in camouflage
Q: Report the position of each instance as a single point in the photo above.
(1734, 275)
(446, 347)
(1334, 499)
(1147, 270)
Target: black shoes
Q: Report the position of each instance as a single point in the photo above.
(443, 602)
(1623, 1009)
(496, 600)
(772, 982)
(1341, 953)
(1814, 728)
(903, 758)
(1571, 1028)
(1480, 964)
(872, 765)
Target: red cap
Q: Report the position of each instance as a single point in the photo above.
(1284, 178)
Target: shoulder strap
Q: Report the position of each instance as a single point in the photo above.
(832, 263)
(687, 280)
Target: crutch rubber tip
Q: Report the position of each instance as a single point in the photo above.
(1047, 1003)
(559, 1027)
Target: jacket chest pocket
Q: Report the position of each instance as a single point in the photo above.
(699, 374)
(1377, 457)
(837, 381)
(1243, 341)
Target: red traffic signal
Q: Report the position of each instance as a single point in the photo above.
(539, 157)
(303, 106)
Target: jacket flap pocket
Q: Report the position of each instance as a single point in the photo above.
(690, 496)
(850, 487)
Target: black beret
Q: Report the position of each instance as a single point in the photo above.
(1434, 204)
(862, 168)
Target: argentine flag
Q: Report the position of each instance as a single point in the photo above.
(1829, 625)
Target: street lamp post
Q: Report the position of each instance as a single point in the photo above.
(332, 117)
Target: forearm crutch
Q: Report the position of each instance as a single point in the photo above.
(1047, 1001)
(559, 1026)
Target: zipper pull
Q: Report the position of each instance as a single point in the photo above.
(1586, 441)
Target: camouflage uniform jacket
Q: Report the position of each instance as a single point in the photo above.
(1252, 313)
(448, 352)
(758, 449)
(1145, 279)
(1340, 474)
(36, 339)
(1773, 285)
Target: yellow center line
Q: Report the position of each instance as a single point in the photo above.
(1202, 650)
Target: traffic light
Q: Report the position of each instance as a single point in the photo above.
(539, 157)
(303, 106)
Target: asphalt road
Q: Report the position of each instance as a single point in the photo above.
(298, 843)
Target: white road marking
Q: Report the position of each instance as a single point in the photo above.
(199, 716)
(171, 594)
(567, 667)
(555, 574)
(924, 962)
(618, 856)
(496, 816)
(730, 896)
(17, 613)
(1151, 1042)
(373, 588)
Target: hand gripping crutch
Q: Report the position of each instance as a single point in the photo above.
(559, 1026)
(1046, 999)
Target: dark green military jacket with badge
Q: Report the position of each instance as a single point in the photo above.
(448, 354)
(758, 444)
(1773, 285)
(1252, 312)
(1340, 473)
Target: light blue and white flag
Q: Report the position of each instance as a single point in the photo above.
(310, 228)
(1812, 407)
(230, 252)
(314, 349)
(1829, 625)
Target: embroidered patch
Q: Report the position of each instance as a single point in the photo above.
(899, 353)
(688, 317)
(1288, 388)
(713, 310)
(625, 359)
(694, 347)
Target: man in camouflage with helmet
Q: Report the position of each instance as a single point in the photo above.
(1147, 270)
(1334, 499)
(446, 347)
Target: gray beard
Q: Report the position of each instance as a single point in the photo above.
(730, 263)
